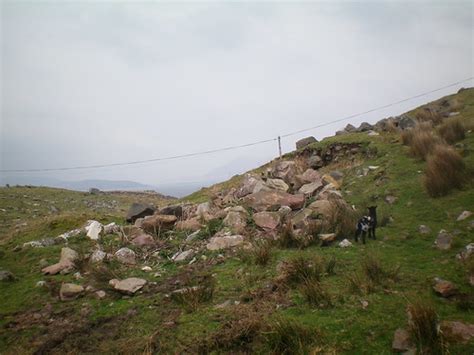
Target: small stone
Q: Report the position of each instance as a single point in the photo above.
(100, 295)
(225, 242)
(327, 238)
(77, 276)
(6, 276)
(147, 269)
(41, 283)
(183, 256)
(444, 288)
(70, 291)
(364, 304)
(464, 215)
(458, 331)
(443, 240)
(93, 229)
(345, 243)
(422, 229)
(192, 236)
(98, 256)
(65, 264)
(130, 286)
(143, 240)
(390, 199)
(402, 341)
(111, 228)
(466, 253)
(125, 256)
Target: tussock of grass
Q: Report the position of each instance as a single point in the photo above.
(375, 272)
(423, 142)
(358, 284)
(262, 252)
(452, 130)
(445, 170)
(289, 239)
(316, 293)
(424, 328)
(342, 219)
(301, 269)
(192, 296)
(289, 337)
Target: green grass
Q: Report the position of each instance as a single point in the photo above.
(154, 320)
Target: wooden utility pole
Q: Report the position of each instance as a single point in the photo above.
(279, 145)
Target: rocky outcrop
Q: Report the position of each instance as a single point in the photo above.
(267, 220)
(158, 223)
(305, 141)
(273, 200)
(139, 210)
(225, 242)
(65, 264)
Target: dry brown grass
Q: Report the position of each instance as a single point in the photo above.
(445, 170)
(423, 142)
(289, 239)
(424, 328)
(262, 252)
(452, 130)
(342, 219)
(301, 269)
(316, 293)
(428, 114)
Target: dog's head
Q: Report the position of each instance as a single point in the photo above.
(372, 209)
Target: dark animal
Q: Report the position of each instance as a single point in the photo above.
(373, 221)
(367, 225)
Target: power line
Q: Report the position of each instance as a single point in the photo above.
(237, 146)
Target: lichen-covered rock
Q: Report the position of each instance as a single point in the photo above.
(266, 200)
(125, 256)
(129, 286)
(70, 291)
(225, 242)
(65, 264)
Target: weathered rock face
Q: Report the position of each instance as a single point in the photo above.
(406, 122)
(129, 286)
(311, 189)
(458, 331)
(266, 200)
(65, 264)
(143, 240)
(444, 288)
(93, 229)
(443, 240)
(236, 221)
(330, 179)
(139, 210)
(125, 256)
(364, 127)
(247, 186)
(305, 141)
(315, 162)
(277, 184)
(267, 220)
(175, 210)
(285, 170)
(159, 223)
(70, 291)
(192, 224)
(310, 175)
(98, 256)
(322, 207)
(402, 341)
(225, 242)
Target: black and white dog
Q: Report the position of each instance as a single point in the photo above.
(367, 225)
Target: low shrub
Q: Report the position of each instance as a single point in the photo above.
(445, 170)
(342, 219)
(331, 266)
(452, 130)
(290, 337)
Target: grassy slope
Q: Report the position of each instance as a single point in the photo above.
(347, 327)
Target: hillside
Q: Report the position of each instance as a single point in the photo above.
(255, 264)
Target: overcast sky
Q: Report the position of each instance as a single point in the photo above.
(99, 82)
